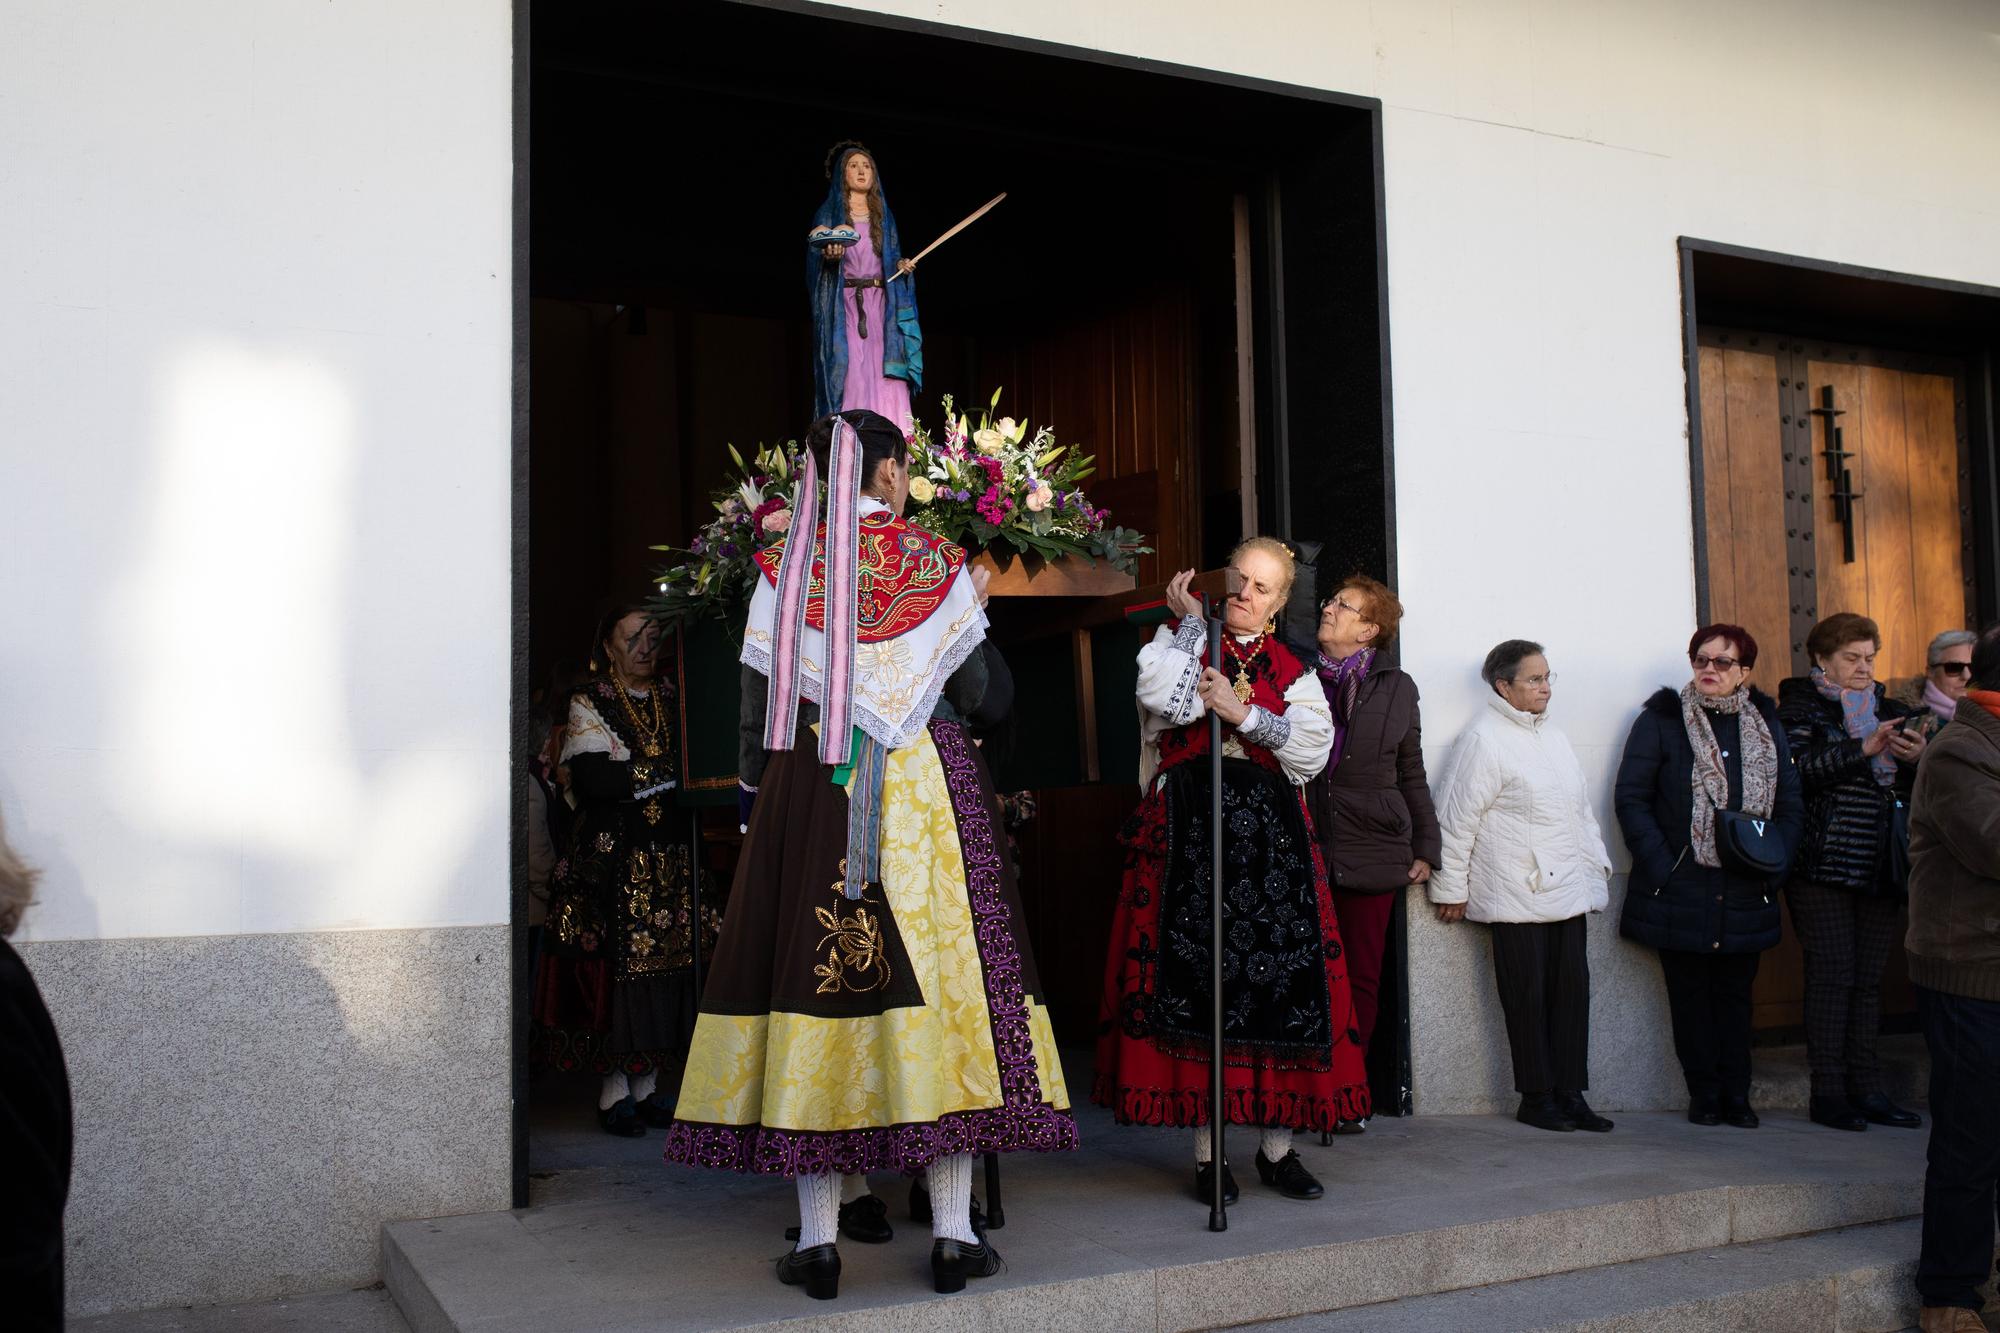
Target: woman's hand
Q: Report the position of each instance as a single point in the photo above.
(1879, 741)
(1450, 912)
(1220, 696)
(980, 576)
(832, 253)
(1907, 746)
(906, 266)
(1420, 871)
(1179, 600)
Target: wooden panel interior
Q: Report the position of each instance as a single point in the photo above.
(1908, 572)
(1743, 485)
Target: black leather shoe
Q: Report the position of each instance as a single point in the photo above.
(1736, 1111)
(1541, 1111)
(1835, 1113)
(866, 1219)
(622, 1119)
(817, 1270)
(1704, 1111)
(1879, 1110)
(1204, 1183)
(1352, 1126)
(953, 1261)
(656, 1113)
(1290, 1176)
(1577, 1111)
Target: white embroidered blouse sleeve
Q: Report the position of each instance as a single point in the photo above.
(1309, 730)
(1169, 670)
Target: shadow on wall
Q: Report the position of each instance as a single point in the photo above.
(276, 746)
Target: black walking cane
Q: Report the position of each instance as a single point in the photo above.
(1218, 1211)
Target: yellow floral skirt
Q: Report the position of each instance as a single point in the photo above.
(877, 1033)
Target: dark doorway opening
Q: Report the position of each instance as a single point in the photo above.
(1187, 278)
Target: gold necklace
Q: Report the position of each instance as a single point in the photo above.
(1244, 689)
(650, 738)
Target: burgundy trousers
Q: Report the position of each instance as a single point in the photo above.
(1364, 932)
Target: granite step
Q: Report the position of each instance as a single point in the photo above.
(1854, 1280)
(1781, 1082)
(1106, 1240)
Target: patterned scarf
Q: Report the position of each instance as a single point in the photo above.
(1857, 713)
(1711, 775)
(1341, 682)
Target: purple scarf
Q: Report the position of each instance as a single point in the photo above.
(1341, 682)
(1857, 714)
(1940, 703)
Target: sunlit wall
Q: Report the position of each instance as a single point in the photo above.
(254, 364)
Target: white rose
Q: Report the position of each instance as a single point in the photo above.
(988, 441)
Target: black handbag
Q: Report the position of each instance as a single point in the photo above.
(1748, 844)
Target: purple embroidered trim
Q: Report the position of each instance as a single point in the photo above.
(1022, 1122)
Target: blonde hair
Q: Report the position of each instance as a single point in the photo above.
(17, 886)
(1278, 551)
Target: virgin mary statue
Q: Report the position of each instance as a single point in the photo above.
(867, 347)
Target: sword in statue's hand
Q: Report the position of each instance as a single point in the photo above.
(909, 265)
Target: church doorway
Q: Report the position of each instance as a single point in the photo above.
(1186, 279)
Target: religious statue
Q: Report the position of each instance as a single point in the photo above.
(867, 347)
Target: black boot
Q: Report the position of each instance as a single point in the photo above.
(1737, 1111)
(1577, 1111)
(621, 1118)
(1704, 1110)
(953, 1261)
(1540, 1110)
(817, 1270)
(1879, 1110)
(866, 1219)
(656, 1113)
(1835, 1113)
(1204, 1183)
(1290, 1176)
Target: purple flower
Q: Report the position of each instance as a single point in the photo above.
(729, 550)
(698, 546)
(963, 496)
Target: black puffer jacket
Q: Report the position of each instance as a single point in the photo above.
(1372, 812)
(1672, 901)
(1847, 810)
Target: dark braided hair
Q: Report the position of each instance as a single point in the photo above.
(880, 441)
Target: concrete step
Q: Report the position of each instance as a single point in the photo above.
(1107, 1239)
(1781, 1081)
(1855, 1280)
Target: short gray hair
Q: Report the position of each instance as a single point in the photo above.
(1506, 658)
(17, 886)
(1945, 642)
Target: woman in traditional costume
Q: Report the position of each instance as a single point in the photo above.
(615, 992)
(873, 1004)
(1293, 1057)
(867, 347)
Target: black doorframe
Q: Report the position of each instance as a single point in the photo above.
(1817, 299)
(1393, 1094)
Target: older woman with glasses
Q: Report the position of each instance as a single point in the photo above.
(1947, 671)
(1523, 852)
(1371, 808)
(1706, 779)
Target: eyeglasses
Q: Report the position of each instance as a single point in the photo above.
(1332, 602)
(1953, 668)
(1533, 682)
(1702, 662)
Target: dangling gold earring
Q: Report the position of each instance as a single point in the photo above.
(1270, 623)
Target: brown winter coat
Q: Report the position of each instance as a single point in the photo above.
(1372, 812)
(1954, 938)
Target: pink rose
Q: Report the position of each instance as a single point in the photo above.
(778, 520)
(1039, 498)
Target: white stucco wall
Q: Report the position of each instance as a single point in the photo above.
(254, 485)
(1542, 158)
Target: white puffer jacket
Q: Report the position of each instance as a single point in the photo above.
(1521, 841)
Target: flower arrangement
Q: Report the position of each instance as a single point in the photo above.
(715, 573)
(994, 486)
(997, 487)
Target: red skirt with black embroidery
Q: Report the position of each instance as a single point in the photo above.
(1287, 1062)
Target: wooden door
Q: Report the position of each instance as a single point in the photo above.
(1780, 504)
